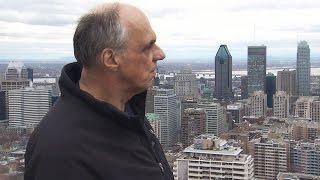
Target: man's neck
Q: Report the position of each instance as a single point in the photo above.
(108, 91)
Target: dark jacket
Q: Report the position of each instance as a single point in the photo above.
(82, 138)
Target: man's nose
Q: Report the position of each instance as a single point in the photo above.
(158, 53)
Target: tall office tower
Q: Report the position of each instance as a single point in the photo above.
(286, 81)
(270, 158)
(28, 106)
(315, 111)
(150, 99)
(304, 106)
(3, 109)
(303, 68)
(270, 88)
(165, 106)
(16, 77)
(212, 158)
(193, 123)
(306, 158)
(186, 84)
(258, 104)
(281, 104)
(257, 57)
(30, 74)
(237, 112)
(154, 121)
(244, 87)
(215, 117)
(223, 74)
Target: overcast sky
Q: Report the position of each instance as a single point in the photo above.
(186, 29)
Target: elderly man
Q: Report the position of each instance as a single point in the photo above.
(97, 129)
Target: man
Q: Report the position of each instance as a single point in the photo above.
(97, 129)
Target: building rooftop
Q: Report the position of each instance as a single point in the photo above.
(152, 117)
(227, 151)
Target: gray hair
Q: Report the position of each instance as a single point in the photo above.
(99, 29)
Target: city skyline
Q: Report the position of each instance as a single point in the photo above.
(44, 29)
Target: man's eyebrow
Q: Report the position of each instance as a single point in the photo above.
(151, 43)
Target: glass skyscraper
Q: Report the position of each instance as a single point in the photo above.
(270, 88)
(303, 68)
(257, 57)
(223, 74)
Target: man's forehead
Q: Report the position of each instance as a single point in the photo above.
(137, 23)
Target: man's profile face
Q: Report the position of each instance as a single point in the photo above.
(139, 59)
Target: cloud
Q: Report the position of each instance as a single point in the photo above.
(185, 29)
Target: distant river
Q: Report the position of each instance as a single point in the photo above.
(209, 73)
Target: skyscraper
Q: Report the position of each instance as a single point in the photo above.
(303, 68)
(223, 74)
(16, 77)
(270, 89)
(258, 104)
(30, 74)
(244, 87)
(28, 106)
(150, 99)
(257, 57)
(3, 109)
(281, 104)
(286, 81)
(192, 125)
(186, 85)
(215, 117)
(165, 106)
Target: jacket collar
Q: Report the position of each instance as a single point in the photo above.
(69, 86)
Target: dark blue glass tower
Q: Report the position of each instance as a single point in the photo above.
(270, 88)
(223, 74)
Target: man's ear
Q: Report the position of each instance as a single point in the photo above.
(108, 60)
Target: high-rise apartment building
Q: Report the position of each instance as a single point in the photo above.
(215, 117)
(257, 57)
(286, 81)
(306, 158)
(270, 158)
(258, 104)
(281, 104)
(212, 158)
(303, 68)
(165, 106)
(186, 84)
(315, 110)
(193, 123)
(223, 74)
(28, 106)
(303, 129)
(304, 106)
